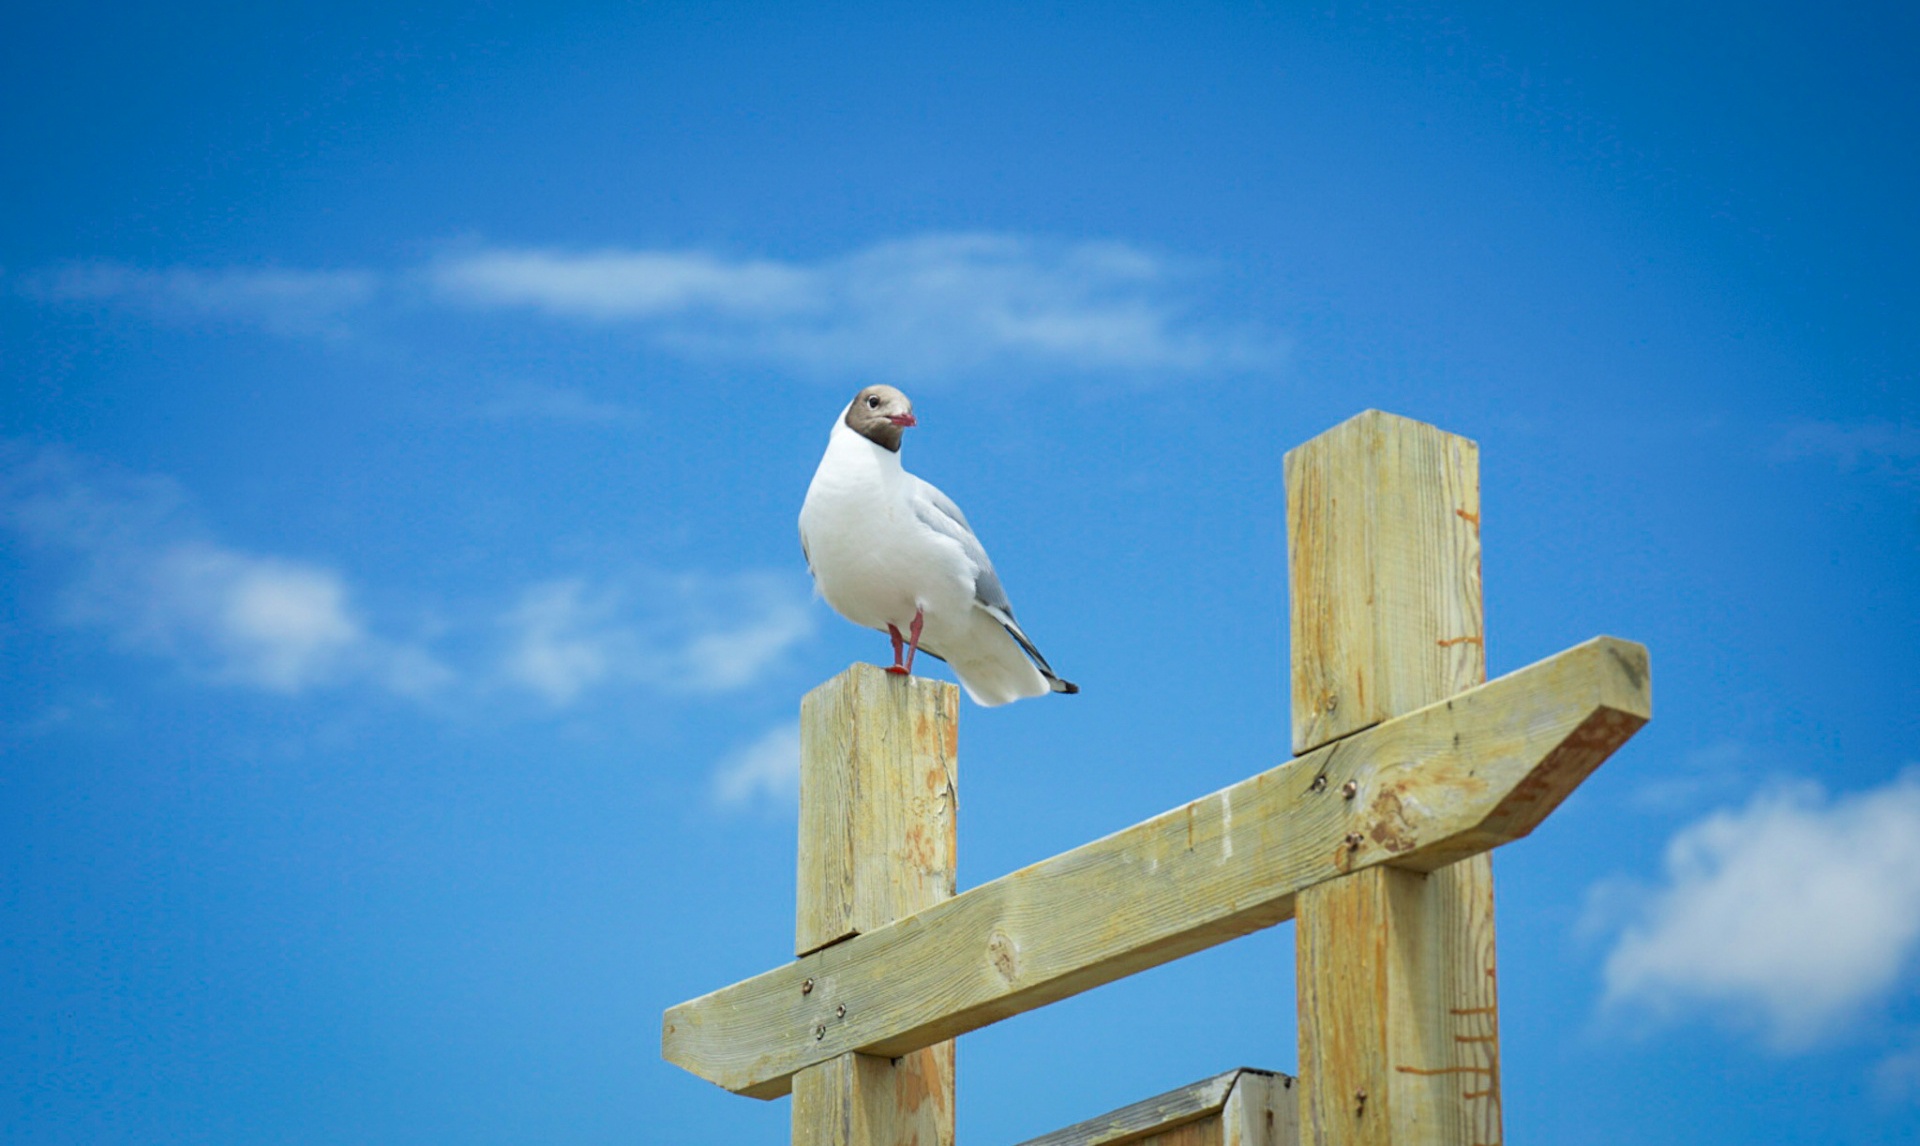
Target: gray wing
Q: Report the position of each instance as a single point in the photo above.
(938, 512)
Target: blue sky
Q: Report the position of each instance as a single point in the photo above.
(406, 412)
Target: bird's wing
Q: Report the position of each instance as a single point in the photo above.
(937, 512)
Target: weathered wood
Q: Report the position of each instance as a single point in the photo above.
(878, 803)
(1429, 788)
(1383, 561)
(878, 755)
(1243, 1107)
(1263, 1110)
(1395, 969)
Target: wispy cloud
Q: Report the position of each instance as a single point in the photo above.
(151, 575)
(930, 307)
(685, 634)
(146, 571)
(288, 302)
(764, 771)
(1702, 776)
(612, 285)
(1791, 914)
(555, 404)
(1891, 449)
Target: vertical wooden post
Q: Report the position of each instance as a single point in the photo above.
(1399, 1038)
(878, 806)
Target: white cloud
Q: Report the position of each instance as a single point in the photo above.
(687, 634)
(1888, 448)
(1715, 770)
(1792, 914)
(767, 769)
(149, 575)
(282, 301)
(923, 308)
(931, 307)
(616, 284)
(555, 404)
(1897, 1076)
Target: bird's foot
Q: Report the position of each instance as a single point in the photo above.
(898, 670)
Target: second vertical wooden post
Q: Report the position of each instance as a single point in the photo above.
(1399, 1038)
(878, 804)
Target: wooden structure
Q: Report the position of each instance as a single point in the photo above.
(1409, 768)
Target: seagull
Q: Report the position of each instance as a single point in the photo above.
(890, 552)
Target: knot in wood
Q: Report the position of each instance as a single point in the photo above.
(1003, 955)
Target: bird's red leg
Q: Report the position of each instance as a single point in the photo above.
(897, 642)
(913, 645)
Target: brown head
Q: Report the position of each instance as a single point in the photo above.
(879, 414)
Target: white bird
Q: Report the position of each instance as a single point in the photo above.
(890, 552)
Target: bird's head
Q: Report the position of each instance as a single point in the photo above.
(879, 414)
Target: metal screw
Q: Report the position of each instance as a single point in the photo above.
(840, 1011)
(806, 988)
(1319, 783)
(1354, 840)
(1359, 1102)
(1331, 703)
(1350, 789)
(819, 1032)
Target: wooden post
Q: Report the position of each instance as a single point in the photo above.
(1399, 1035)
(878, 806)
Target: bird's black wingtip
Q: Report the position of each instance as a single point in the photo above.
(1065, 686)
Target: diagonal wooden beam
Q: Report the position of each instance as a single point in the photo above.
(1419, 791)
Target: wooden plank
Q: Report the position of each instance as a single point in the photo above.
(878, 757)
(1398, 1030)
(1448, 781)
(1383, 560)
(1148, 1117)
(1262, 1110)
(1243, 1107)
(878, 762)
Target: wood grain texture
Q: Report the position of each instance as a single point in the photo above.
(1398, 1028)
(1243, 1107)
(1155, 1115)
(878, 802)
(1262, 1110)
(1383, 559)
(1429, 788)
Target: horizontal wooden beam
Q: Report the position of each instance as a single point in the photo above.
(1449, 780)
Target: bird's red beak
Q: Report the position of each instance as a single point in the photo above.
(902, 419)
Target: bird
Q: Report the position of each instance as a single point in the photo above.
(890, 552)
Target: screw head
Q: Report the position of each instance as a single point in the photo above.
(820, 1032)
(806, 988)
(1350, 789)
(840, 1011)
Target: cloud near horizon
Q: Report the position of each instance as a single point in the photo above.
(1793, 914)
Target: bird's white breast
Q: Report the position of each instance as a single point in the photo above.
(872, 558)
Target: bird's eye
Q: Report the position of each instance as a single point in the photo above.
(873, 403)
